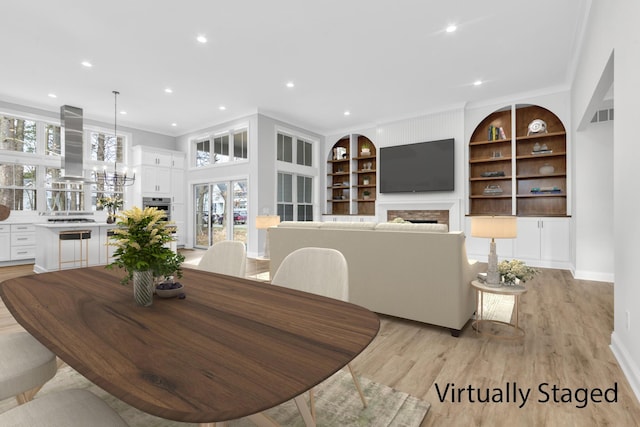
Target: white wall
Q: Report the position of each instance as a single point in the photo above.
(613, 28)
(593, 198)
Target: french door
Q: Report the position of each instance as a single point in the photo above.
(220, 212)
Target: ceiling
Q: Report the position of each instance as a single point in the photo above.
(380, 60)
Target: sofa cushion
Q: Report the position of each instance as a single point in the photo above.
(407, 226)
(339, 225)
(300, 224)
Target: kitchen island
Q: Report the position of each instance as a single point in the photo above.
(63, 245)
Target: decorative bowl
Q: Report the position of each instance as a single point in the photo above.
(546, 169)
(169, 290)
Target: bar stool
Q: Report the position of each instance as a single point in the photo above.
(82, 236)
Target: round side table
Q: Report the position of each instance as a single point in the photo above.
(481, 288)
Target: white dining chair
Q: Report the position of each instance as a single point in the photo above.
(25, 366)
(226, 257)
(320, 271)
(67, 408)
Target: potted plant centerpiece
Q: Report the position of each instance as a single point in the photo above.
(366, 180)
(111, 204)
(141, 249)
(515, 271)
(366, 194)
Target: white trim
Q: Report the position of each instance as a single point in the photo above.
(626, 362)
(597, 276)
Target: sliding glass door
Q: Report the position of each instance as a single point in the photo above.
(220, 214)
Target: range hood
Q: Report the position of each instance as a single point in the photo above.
(71, 122)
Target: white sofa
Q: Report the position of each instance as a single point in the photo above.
(413, 271)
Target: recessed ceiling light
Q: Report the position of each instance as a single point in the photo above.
(168, 90)
(53, 95)
(201, 39)
(451, 28)
(87, 64)
(477, 83)
(222, 108)
(124, 113)
(290, 84)
(174, 124)
(347, 113)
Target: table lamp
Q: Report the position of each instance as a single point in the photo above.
(262, 223)
(494, 227)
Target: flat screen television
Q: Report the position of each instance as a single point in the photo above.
(416, 168)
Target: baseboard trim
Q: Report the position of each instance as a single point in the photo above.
(627, 364)
(593, 275)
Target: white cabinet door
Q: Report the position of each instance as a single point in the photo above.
(544, 242)
(178, 192)
(177, 161)
(527, 244)
(554, 240)
(5, 246)
(156, 180)
(151, 158)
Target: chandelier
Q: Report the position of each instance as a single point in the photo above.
(115, 179)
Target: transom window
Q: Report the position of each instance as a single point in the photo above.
(287, 150)
(221, 148)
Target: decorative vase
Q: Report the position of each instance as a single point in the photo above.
(546, 169)
(365, 181)
(111, 219)
(143, 287)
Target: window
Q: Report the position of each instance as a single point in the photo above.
(305, 199)
(106, 148)
(221, 149)
(17, 186)
(52, 140)
(17, 134)
(304, 153)
(303, 150)
(285, 148)
(240, 145)
(203, 153)
(62, 196)
(285, 196)
(302, 208)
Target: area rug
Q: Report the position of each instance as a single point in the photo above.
(498, 307)
(337, 404)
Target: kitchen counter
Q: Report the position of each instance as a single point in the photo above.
(73, 225)
(53, 253)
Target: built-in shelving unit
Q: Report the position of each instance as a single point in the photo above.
(521, 172)
(351, 177)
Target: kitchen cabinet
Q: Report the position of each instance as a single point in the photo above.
(23, 241)
(162, 175)
(156, 181)
(544, 242)
(5, 242)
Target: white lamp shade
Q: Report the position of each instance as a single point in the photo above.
(494, 227)
(266, 221)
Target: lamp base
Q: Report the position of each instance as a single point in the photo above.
(493, 275)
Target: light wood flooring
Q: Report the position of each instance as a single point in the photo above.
(568, 326)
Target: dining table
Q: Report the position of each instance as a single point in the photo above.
(231, 348)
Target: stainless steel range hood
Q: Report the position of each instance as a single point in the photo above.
(71, 121)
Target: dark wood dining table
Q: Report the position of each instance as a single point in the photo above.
(232, 348)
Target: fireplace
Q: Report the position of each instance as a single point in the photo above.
(428, 216)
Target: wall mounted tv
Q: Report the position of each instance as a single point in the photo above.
(417, 168)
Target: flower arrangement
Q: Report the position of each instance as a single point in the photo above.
(110, 203)
(515, 269)
(140, 240)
